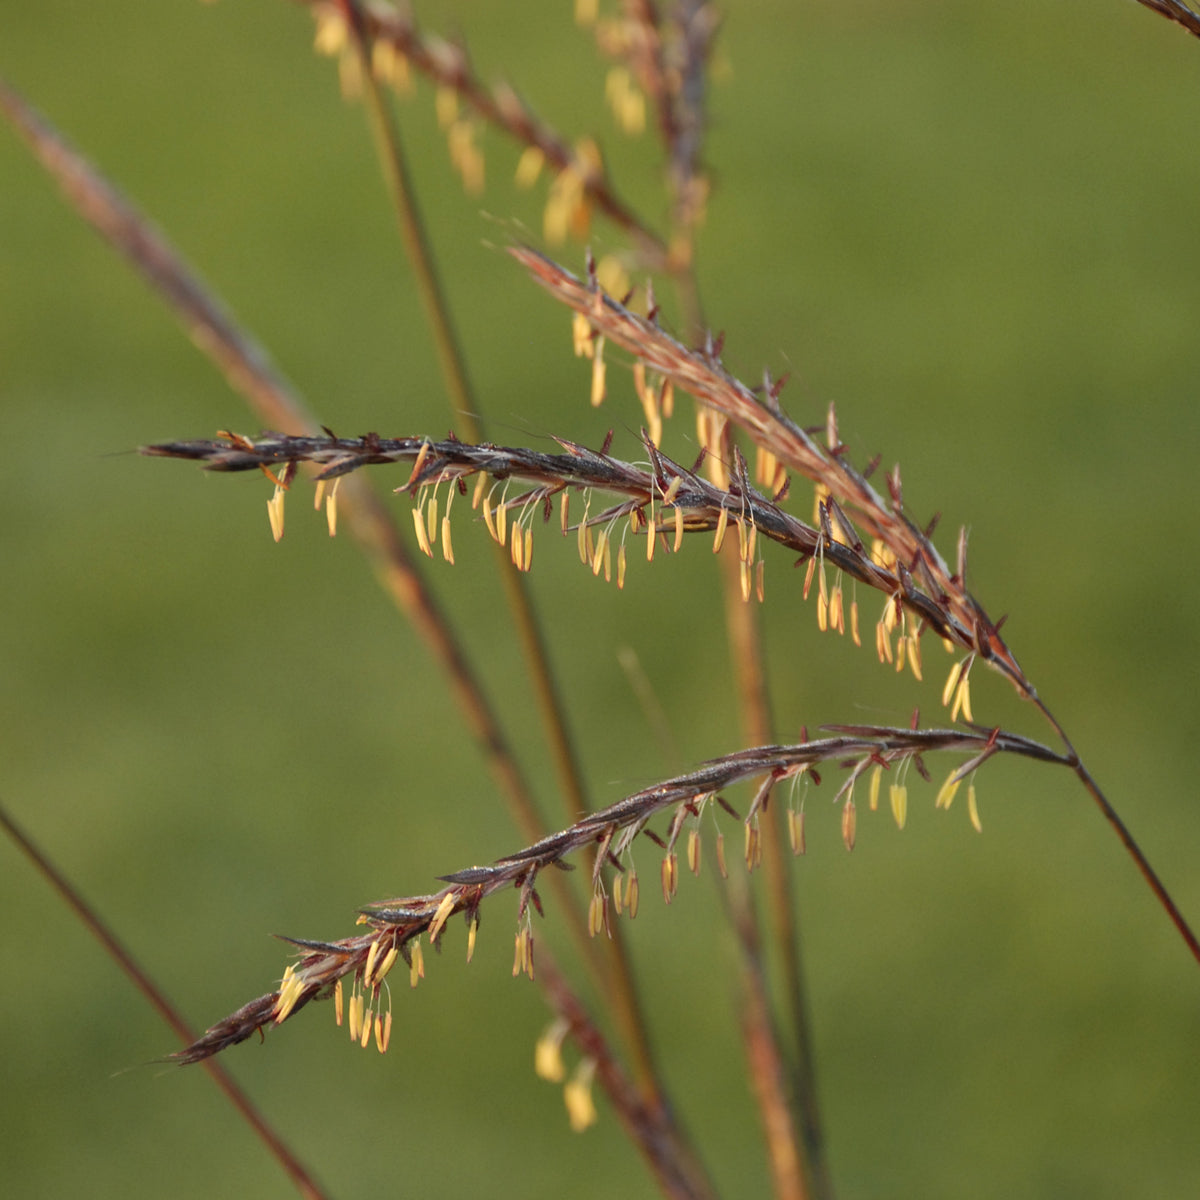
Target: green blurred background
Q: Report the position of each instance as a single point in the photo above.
(975, 229)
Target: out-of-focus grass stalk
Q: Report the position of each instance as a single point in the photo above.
(158, 1000)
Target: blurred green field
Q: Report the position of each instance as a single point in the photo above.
(971, 226)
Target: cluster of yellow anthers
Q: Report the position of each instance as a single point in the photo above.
(548, 1063)
(578, 169)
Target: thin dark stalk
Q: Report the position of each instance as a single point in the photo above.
(157, 999)
(1127, 839)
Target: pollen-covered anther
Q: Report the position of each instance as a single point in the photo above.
(849, 823)
(720, 848)
(275, 511)
(693, 851)
(873, 787)
(356, 1015)
(529, 166)
(973, 808)
(472, 933)
(597, 912)
(962, 700)
(951, 683)
(632, 894)
(368, 1024)
(822, 600)
(389, 961)
(339, 1009)
(444, 909)
(722, 525)
(390, 66)
(795, 823)
(598, 374)
(547, 1053)
(372, 953)
(422, 536)
(914, 655)
(581, 336)
(621, 566)
(416, 966)
(447, 546)
(670, 876)
(290, 990)
(577, 1095)
(523, 952)
(598, 551)
(898, 794)
(627, 102)
(383, 1030)
(854, 622)
(678, 528)
(753, 844)
(837, 612)
(331, 508)
(446, 106)
(947, 792)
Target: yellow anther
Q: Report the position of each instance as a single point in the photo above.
(898, 794)
(338, 1003)
(795, 820)
(547, 1053)
(389, 961)
(849, 824)
(722, 525)
(472, 931)
(275, 512)
(973, 808)
(678, 528)
(670, 876)
(951, 682)
(422, 537)
(444, 909)
(371, 955)
(577, 1095)
(632, 894)
(529, 166)
(447, 548)
(416, 968)
(598, 374)
(947, 792)
(383, 1031)
(873, 795)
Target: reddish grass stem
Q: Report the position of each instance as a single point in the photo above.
(157, 999)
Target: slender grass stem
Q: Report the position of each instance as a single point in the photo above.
(158, 1000)
(1134, 851)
